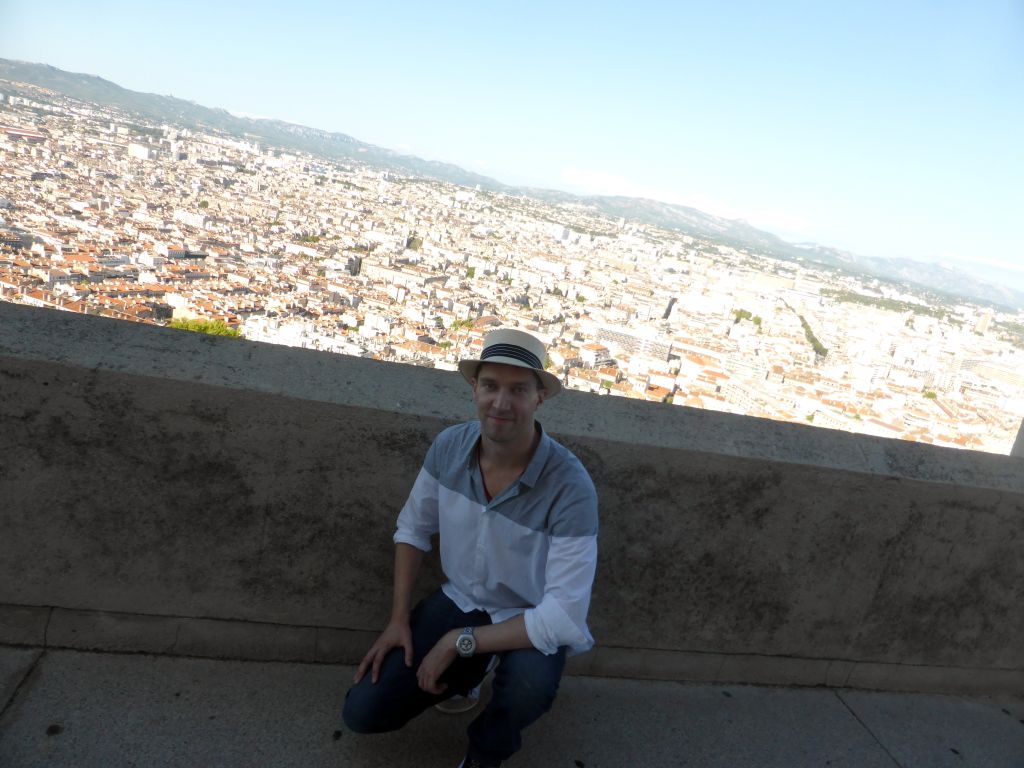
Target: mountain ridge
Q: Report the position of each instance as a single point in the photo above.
(339, 146)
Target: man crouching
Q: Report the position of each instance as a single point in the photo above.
(517, 517)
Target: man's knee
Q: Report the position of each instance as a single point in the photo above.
(365, 712)
(527, 701)
(530, 682)
(536, 692)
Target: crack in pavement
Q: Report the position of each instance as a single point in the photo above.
(21, 684)
(870, 732)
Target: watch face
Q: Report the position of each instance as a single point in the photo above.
(465, 645)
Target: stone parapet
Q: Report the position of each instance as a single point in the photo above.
(246, 494)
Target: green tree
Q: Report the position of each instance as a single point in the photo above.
(204, 203)
(211, 327)
(819, 348)
(889, 304)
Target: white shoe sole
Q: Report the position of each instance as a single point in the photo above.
(458, 704)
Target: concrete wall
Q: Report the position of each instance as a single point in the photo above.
(166, 491)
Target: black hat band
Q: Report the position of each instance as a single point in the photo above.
(513, 351)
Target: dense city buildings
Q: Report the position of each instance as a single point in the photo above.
(106, 214)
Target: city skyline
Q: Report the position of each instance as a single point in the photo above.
(111, 214)
(888, 132)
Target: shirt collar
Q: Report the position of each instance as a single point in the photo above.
(540, 456)
(471, 452)
(532, 472)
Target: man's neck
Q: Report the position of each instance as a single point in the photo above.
(509, 455)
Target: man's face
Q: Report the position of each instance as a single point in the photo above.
(506, 398)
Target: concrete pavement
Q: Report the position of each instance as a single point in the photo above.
(72, 708)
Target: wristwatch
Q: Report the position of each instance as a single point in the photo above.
(465, 643)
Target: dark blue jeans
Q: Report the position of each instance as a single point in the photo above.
(525, 684)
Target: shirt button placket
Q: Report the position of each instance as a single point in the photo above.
(480, 561)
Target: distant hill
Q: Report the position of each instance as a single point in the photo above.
(340, 146)
(168, 109)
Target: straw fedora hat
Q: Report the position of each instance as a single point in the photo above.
(513, 347)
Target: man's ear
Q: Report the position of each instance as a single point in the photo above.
(541, 394)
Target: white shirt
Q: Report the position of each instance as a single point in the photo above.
(531, 550)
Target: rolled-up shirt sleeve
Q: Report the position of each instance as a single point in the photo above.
(418, 520)
(561, 616)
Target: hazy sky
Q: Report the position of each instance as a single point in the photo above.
(889, 128)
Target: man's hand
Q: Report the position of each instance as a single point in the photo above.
(435, 663)
(397, 634)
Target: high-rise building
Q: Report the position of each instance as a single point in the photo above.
(984, 322)
(636, 343)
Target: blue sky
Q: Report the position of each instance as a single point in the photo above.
(887, 128)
